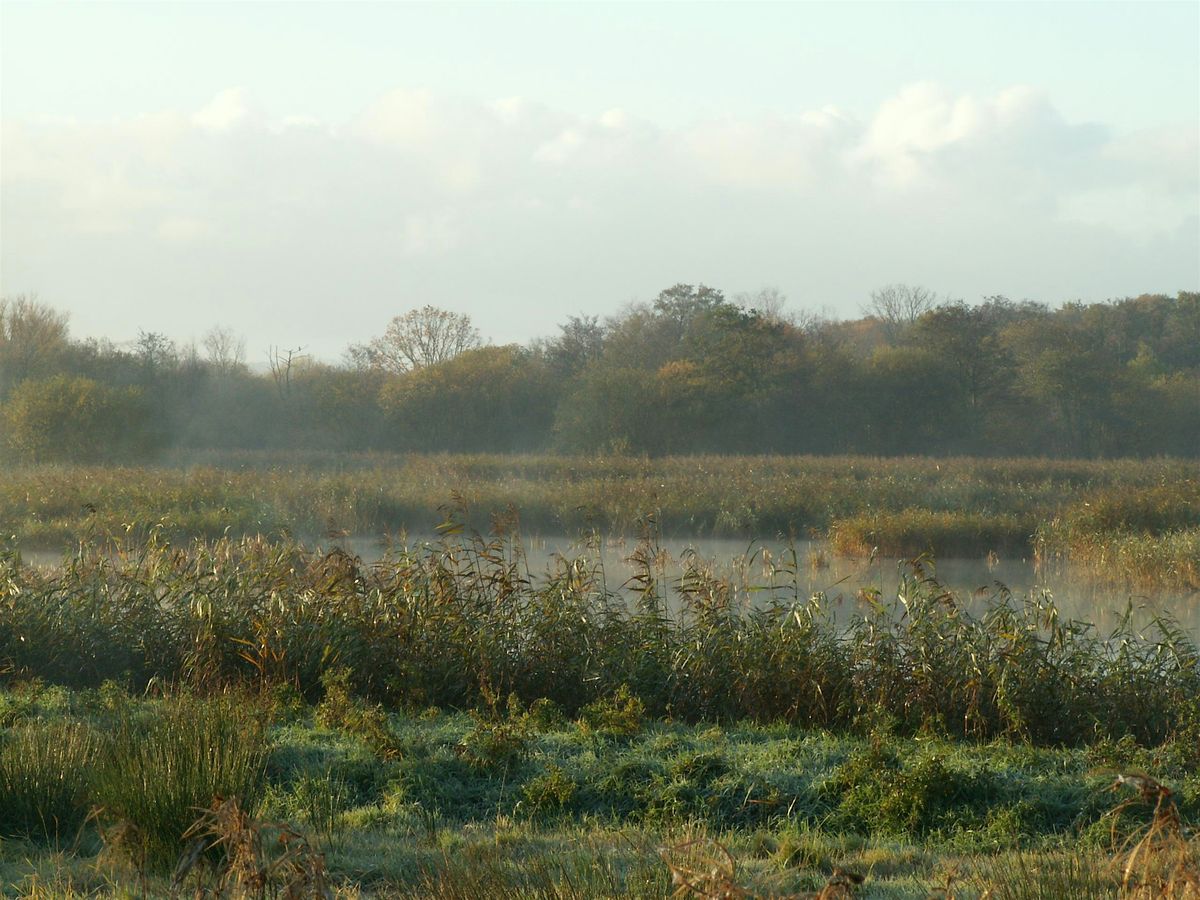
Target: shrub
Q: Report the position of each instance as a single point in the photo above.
(618, 716)
(495, 744)
(340, 710)
(549, 792)
(65, 419)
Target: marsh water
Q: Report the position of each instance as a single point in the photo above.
(761, 571)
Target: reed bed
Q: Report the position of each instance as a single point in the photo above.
(455, 623)
(897, 506)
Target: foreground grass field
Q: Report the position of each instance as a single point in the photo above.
(98, 791)
(1134, 520)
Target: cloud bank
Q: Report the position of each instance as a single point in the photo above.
(299, 231)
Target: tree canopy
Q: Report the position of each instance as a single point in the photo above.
(686, 372)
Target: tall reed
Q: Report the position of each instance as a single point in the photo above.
(456, 623)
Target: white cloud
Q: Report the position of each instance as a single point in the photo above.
(300, 121)
(1014, 145)
(226, 111)
(499, 208)
(770, 154)
(561, 147)
(403, 118)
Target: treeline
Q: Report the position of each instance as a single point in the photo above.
(692, 371)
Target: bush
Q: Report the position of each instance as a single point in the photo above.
(549, 792)
(877, 792)
(340, 710)
(619, 716)
(65, 419)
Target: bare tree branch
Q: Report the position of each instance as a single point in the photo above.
(899, 305)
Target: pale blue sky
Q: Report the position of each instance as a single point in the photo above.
(1129, 65)
(171, 166)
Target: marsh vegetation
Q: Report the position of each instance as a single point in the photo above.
(443, 724)
(1134, 521)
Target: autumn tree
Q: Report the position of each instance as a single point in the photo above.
(498, 399)
(225, 350)
(33, 339)
(418, 338)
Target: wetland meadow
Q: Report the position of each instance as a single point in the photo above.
(477, 676)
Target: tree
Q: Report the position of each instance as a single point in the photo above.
(156, 352)
(768, 302)
(909, 402)
(226, 351)
(610, 408)
(969, 339)
(33, 338)
(681, 304)
(285, 364)
(1068, 371)
(65, 419)
(899, 305)
(418, 338)
(497, 399)
(581, 342)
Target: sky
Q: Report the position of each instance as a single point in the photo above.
(302, 172)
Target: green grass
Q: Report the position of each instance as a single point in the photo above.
(441, 724)
(46, 779)
(160, 765)
(905, 506)
(580, 813)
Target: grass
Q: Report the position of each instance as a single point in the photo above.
(582, 815)
(45, 779)
(243, 716)
(158, 769)
(901, 506)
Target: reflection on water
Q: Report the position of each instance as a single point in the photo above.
(761, 570)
